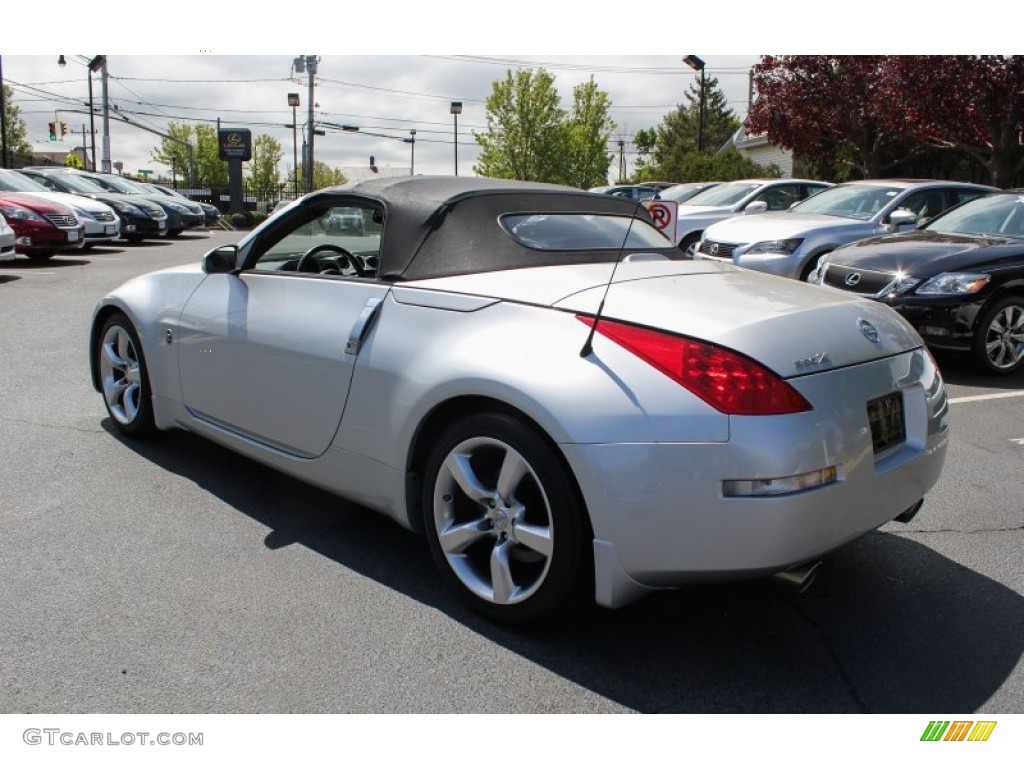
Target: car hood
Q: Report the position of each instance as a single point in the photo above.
(765, 317)
(121, 197)
(77, 201)
(700, 210)
(781, 226)
(923, 253)
(34, 202)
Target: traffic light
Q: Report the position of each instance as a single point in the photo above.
(63, 128)
(53, 131)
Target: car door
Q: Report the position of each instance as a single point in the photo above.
(269, 353)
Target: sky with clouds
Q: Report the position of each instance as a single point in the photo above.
(396, 70)
(388, 95)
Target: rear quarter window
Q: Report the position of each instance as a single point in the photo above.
(581, 232)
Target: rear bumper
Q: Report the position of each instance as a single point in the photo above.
(661, 518)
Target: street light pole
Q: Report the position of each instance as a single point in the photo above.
(94, 64)
(696, 63)
(456, 111)
(308, 64)
(412, 149)
(293, 102)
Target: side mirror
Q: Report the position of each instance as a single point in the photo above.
(221, 260)
(758, 206)
(900, 218)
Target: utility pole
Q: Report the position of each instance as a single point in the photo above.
(3, 118)
(308, 64)
(102, 61)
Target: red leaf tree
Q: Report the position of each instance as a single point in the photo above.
(968, 103)
(817, 106)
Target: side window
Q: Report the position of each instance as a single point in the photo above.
(810, 190)
(779, 198)
(957, 196)
(925, 204)
(342, 240)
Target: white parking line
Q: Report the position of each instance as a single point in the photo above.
(24, 272)
(977, 398)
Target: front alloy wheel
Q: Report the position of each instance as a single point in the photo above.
(999, 343)
(123, 377)
(502, 519)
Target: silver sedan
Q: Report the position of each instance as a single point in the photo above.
(523, 374)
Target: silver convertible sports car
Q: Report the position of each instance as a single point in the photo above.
(520, 372)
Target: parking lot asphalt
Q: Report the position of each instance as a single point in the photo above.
(170, 575)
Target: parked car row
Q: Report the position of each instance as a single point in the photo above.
(947, 255)
(55, 209)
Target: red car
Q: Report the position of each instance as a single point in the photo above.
(41, 227)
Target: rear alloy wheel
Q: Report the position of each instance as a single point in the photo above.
(123, 378)
(502, 519)
(999, 338)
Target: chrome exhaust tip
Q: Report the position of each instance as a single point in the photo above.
(799, 578)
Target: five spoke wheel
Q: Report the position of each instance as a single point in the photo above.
(502, 518)
(999, 345)
(123, 377)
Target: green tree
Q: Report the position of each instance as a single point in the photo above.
(323, 176)
(677, 136)
(17, 144)
(587, 132)
(264, 177)
(645, 140)
(525, 133)
(210, 170)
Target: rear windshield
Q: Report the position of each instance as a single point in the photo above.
(581, 232)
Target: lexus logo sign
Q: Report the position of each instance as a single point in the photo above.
(852, 279)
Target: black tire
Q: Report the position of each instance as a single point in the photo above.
(174, 232)
(998, 346)
(517, 556)
(124, 378)
(41, 256)
(689, 243)
(134, 238)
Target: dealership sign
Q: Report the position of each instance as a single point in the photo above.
(235, 143)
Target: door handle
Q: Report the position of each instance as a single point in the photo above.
(362, 326)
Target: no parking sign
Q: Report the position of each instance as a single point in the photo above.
(664, 213)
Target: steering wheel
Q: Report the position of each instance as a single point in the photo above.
(310, 261)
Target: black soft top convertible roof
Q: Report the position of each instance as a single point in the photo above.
(435, 226)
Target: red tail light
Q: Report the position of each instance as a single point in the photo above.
(725, 380)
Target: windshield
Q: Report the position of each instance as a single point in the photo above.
(725, 194)
(581, 232)
(1000, 215)
(124, 185)
(76, 183)
(15, 182)
(682, 192)
(856, 201)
